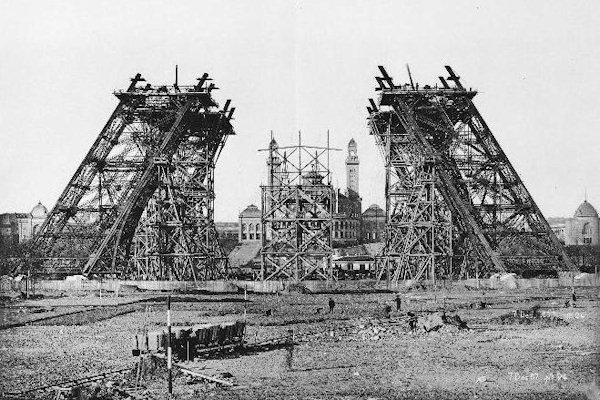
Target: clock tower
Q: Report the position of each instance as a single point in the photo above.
(352, 169)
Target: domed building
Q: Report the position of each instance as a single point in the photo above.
(373, 224)
(17, 228)
(250, 225)
(584, 227)
(38, 215)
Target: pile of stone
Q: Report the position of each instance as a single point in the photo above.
(440, 321)
(409, 323)
(375, 331)
(528, 316)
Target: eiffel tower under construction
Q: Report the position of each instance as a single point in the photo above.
(455, 205)
(140, 205)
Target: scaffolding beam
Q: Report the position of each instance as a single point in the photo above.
(297, 214)
(141, 203)
(455, 205)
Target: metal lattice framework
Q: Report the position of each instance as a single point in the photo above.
(455, 205)
(297, 214)
(140, 205)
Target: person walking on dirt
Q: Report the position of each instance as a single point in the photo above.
(412, 322)
(398, 301)
(331, 305)
(573, 298)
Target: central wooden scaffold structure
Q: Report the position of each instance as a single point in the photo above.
(297, 214)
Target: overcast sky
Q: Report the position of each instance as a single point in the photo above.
(300, 65)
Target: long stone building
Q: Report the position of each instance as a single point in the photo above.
(16, 228)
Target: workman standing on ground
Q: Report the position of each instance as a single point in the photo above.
(398, 301)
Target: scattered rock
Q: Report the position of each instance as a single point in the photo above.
(438, 320)
(529, 316)
(480, 305)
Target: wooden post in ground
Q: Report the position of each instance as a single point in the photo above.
(387, 274)
(289, 359)
(27, 282)
(245, 299)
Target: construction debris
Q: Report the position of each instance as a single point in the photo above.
(529, 316)
(406, 324)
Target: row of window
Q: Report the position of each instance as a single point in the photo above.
(344, 234)
(373, 235)
(251, 228)
(251, 236)
(342, 230)
(345, 225)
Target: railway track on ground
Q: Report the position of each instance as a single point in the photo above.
(83, 316)
(95, 313)
(67, 384)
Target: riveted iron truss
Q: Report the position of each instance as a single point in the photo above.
(140, 205)
(455, 205)
(297, 214)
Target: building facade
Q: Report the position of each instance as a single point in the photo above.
(584, 227)
(16, 228)
(373, 224)
(250, 228)
(350, 225)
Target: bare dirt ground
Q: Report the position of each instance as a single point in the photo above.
(353, 353)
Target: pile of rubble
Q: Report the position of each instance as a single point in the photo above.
(530, 316)
(440, 321)
(374, 331)
(409, 323)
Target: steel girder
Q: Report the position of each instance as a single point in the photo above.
(144, 192)
(297, 215)
(455, 205)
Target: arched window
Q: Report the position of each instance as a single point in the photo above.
(587, 233)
